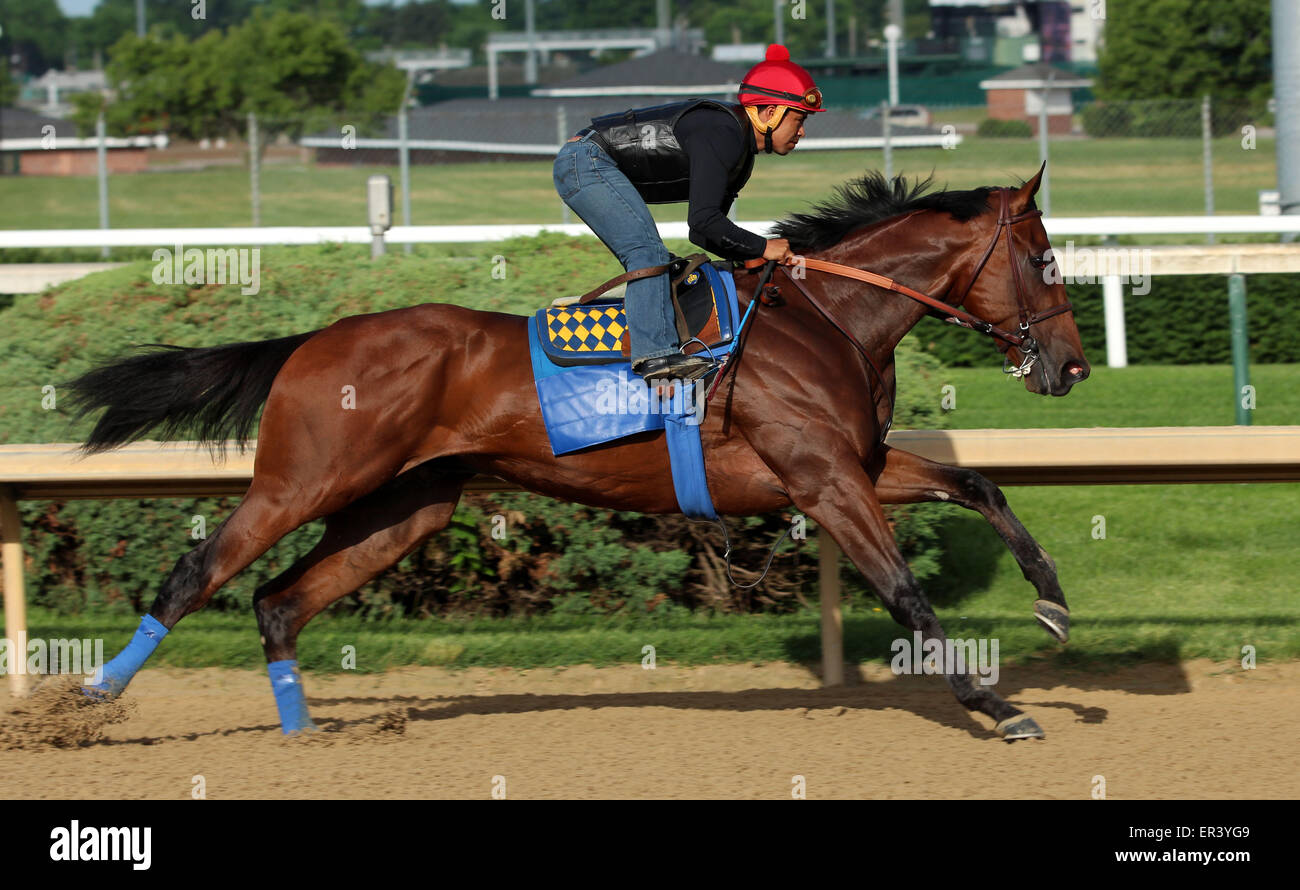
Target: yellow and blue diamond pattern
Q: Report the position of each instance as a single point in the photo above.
(587, 330)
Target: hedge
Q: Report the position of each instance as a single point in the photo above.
(1159, 118)
(994, 128)
(1182, 321)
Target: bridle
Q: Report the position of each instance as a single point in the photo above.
(1023, 342)
(1026, 344)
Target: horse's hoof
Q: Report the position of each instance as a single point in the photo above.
(299, 729)
(1054, 618)
(1020, 726)
(100, 692)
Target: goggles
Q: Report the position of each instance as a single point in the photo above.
(812, 98)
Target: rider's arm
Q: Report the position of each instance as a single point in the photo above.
(714, 147)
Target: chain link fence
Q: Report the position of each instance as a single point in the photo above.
(471, 161)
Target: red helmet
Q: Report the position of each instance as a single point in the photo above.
(778, 81)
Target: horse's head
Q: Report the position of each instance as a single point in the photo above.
(1012, 284)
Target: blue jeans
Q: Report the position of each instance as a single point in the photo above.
(591, 184)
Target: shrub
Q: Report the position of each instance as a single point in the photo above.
(1164, 118)
(1182, 321)
(1103, 120)
(992, 128)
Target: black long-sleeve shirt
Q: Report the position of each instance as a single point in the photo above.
(709, 138)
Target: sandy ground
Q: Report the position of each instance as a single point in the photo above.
(1158, 731)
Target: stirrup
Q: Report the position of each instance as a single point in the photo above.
(675, 367)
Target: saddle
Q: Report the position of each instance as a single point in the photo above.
(592, 329)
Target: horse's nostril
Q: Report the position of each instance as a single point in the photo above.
(1076, 370)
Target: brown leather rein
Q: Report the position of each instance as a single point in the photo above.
(1026, 344)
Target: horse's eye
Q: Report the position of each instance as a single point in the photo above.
(1039, 261)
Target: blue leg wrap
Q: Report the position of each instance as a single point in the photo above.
(111, 679)
(289, 698)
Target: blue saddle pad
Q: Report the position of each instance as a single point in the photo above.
(588, 405)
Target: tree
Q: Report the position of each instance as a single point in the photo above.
(291, 64)
(112, 20)
(1182, 49)
(33, 30)
(292, 69)
(8, 87)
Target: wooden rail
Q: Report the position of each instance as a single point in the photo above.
(1145, 455)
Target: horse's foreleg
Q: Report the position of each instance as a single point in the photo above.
(841, 498)
(360, 541)
(904, 478)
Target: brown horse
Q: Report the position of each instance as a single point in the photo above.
(377, 421)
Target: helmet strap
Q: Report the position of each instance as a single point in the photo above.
(777, 116)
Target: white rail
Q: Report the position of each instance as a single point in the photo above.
(239, 235)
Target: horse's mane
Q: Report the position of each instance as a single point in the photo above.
(870, 199)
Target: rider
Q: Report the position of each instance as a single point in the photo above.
(698, 150)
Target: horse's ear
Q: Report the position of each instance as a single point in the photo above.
(1025, 194)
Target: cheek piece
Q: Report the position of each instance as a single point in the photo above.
(767, 128)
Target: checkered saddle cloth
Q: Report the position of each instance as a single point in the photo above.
(596, 333)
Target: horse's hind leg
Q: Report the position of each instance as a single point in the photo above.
(905, 478)
(316, 454)
(360, 541)
(273, 507)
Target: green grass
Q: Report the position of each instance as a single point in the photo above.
(1142, 395)
(1088, 178)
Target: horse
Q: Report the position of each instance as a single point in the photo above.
(442, 393)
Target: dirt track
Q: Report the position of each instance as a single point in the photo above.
(1162, 731)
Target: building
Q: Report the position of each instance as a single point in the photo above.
(34, 145)
(668, 72)
(515, 128)
(50, 93)
(1053, 31)
(1018, 95)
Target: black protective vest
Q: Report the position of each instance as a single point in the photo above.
(643, 143)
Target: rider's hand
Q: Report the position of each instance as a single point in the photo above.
(778, 249)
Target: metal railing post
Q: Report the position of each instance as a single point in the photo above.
(101, 163)
(254, 169)
(828, 585)
(1240, 346)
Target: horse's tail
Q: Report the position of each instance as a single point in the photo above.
(213, 393)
